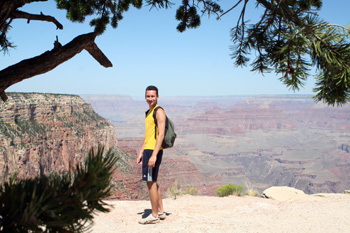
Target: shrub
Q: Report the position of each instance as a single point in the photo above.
(229, 189)
(58, 203)
(190, 191)
(252, 192)
(174, 191)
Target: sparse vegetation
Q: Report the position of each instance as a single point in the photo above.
(6, 130)
(93, 115)
(30, 127)
(252, 192)
(22, 127)
(175, 190)
(29, 94)
(190, 191)
(229, 189)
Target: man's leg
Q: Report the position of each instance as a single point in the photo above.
(154, 197)
(160, 201)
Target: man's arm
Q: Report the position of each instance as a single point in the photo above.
(140, 156)
(161, 131)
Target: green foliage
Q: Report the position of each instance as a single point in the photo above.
(30, 127)
(58, 203)
(107, 11)
(290, 39)
(5, 44)
(188, 15)
(111, 12)
(229, 189)
(6, 129)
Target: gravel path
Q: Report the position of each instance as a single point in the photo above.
(317, 213)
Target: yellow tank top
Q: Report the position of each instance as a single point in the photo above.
(150, 140)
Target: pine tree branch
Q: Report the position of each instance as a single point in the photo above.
(99, 56)
(291, 15)
(337, 25)
(51, 59)
(231, 8)
(24, 15)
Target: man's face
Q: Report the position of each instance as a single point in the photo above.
(151, 98)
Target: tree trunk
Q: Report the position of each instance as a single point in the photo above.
(50, 60)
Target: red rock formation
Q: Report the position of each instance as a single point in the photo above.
(258, 141)
(44, 133)
(237, 120)
(173, 168)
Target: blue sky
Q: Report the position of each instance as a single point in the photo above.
(146, 49)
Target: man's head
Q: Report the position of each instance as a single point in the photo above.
(152, 88)
(151, 96)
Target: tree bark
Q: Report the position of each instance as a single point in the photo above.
(24, 15)
(7, 7)
(49, 60)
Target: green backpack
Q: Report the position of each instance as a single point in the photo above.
(169, 135)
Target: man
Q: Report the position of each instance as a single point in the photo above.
(150, 155)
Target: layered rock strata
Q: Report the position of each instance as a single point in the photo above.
(44, 133)
(254, 141)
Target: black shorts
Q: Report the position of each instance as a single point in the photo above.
(147, 173)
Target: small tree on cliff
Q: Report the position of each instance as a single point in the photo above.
(58, 203)
(289, 39)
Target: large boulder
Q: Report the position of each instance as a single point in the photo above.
(283, 193)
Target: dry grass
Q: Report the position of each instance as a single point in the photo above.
(252, 192)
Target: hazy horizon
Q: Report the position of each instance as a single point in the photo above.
(164, 96)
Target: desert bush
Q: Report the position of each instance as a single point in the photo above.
(58, 203)
(252, 192)
(174, 191)
(229, 189)
(190, 191)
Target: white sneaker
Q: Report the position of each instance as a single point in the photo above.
(162, 216)
(149, 220)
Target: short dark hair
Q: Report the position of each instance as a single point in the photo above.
(152, 88)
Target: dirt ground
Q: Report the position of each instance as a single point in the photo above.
(312, 213)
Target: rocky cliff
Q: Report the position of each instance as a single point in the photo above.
(42, 133)
(268, 141)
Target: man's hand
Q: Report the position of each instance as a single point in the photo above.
(152, 161)
(139, 159)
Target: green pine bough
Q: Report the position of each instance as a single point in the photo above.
(58, 203)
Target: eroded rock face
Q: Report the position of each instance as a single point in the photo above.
(173, 169)
(256, 141)
(42, 133)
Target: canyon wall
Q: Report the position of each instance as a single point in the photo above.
(43, 133)
(127, 115)
(254, 141)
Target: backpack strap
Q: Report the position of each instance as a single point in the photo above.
(155, 120)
